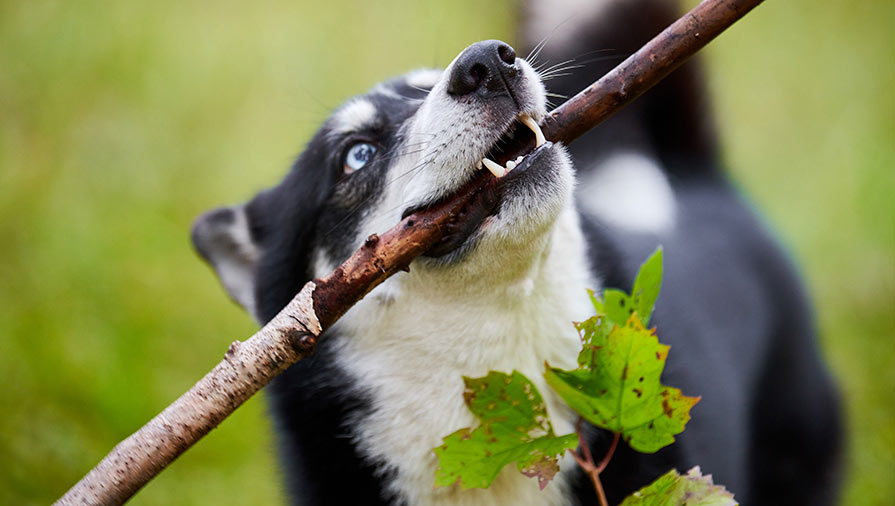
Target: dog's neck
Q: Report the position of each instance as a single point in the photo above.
(497, 278)
(411, 340)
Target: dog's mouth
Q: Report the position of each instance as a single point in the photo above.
(508, 159)
(517, 139)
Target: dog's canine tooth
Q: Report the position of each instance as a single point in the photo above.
(533, 125)
(494, 167)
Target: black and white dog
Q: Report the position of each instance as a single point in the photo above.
(357, 422)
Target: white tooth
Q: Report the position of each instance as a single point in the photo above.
(478, 165)
(519, 160)
(511, 165)
(530, 123)
(494, 167)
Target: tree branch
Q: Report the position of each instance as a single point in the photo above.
(293, 334)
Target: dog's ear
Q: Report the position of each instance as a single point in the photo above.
(231, 240)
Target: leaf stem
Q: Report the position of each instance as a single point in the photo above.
(585, 448)
(587, 461)
(603, 463)
(595, 477)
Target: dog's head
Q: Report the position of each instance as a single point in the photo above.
(404, 145)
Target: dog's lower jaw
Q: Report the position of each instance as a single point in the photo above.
(409, 355)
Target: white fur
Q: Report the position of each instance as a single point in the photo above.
(410, 355)
(353, 116)
(630, 190)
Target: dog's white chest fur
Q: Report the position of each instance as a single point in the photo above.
(409, 344)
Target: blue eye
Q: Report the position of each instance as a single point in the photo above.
(357, 156)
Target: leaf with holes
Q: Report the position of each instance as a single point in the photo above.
(622, 392)
(692, 489)
(514, 428)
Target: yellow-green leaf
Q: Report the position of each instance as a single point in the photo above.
(621, 391)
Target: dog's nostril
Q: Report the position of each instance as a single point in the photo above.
(481, 65)
(467, 76)
(477, 73)
(506, 54)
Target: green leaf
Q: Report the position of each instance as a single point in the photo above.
(514, 428)
(618, 306)
(647, 285)
(672, 489)
(621, 390)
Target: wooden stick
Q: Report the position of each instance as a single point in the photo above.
(293, 334)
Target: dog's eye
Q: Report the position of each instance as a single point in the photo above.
(357, 156)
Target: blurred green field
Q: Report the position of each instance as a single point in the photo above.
(122, 121)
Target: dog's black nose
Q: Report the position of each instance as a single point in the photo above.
(490, 65)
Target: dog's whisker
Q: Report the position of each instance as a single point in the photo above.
(610, 57)
(417, 88)
(560, 69)
(555, 65)
(541, 66)
(411, 99)
(533, 55)
(546, 73)
(554, 76)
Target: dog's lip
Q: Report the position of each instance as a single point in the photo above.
(527, 161)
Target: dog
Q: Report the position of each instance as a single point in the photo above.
(357, 422)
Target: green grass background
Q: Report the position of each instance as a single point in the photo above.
(122, 121)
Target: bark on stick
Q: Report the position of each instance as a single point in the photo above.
(293, 334)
